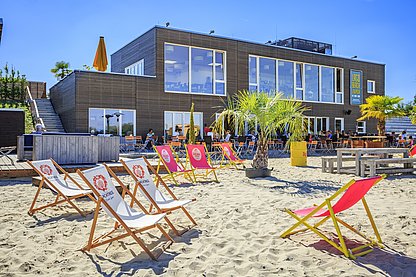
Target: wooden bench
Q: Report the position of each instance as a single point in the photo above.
(378, 166)
(328, 163)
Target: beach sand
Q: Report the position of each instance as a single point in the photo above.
(239, 223)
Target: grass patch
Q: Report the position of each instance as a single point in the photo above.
(19, 105)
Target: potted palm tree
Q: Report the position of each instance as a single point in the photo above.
(271, 114)
(381, 108)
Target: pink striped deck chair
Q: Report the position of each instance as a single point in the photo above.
(353, 192)
(412, 151)
(198, 157)
(173, 166)
(229, 154)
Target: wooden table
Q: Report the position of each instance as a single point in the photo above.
(359, 152)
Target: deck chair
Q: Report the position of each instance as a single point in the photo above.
(198, 158)
(138, 170)
(172, 164)
(66, 188)
(412, 151)
(114, 205)
(229, 154)
(354, 191)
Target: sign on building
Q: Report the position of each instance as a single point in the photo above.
(356, 87)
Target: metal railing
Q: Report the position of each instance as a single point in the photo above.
(34, 108)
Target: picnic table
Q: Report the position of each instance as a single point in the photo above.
(359, 152)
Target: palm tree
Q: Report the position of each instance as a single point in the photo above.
(381, 108)
(271, 113)
(61, 70)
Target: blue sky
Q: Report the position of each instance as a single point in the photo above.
(38, 33)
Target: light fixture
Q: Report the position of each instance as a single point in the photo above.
(167, 24)
(354, 57)
(211, 32)
(347, 112)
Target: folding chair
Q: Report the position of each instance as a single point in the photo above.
(172, 164)
(117, 208)
(229, 154)
(138, 170)
(198, 158)
(65, 187)
(354, 191)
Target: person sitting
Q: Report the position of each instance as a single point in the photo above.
(206, 129)
(39, 127)
(150, 141)
(227, 136)
(252, 136)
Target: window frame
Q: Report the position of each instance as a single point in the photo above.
(364, 127)
(342, 123)
(315, 131)
(214, 80)
(374, 86)
(119, 123)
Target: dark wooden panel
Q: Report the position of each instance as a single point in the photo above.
(12, 124)
(62, 96)
(142, 47)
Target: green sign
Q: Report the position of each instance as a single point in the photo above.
(356, 87)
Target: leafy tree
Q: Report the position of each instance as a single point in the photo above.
(271, 113)
(61, 70)
(381, 108)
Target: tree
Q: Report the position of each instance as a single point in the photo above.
(381, 108)
(271, 113)
(61, 70)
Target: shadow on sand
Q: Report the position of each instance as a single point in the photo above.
(140, 260)
(302, 187)
(385, 261)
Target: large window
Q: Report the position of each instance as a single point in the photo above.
(204, 69)
(361, 127)
(267, 75)
(176, 68)
(285, 78)
(311, 82)
(136, 68)
(180, 121)
(327, 84)
(306, 82)
(299, 81)
(112, 121)
(252, 64)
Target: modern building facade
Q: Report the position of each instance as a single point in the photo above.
(155, 78)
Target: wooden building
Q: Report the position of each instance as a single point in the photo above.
(155, 78)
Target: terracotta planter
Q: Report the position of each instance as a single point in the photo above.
(258, 172)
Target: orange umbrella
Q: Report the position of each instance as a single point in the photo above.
(100, 60)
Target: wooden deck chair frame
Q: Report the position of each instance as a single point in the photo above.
(226, 160)
(98, 241)
(65, 199)
(341, 246)
(172, 175)
(153, 203)
(207, 171)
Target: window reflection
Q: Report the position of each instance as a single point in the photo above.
(285, 77)
(311, 82)
(201, 64)
(328, 84)
(176, 68)
(267, 75)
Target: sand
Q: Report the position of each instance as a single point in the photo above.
(239, 223)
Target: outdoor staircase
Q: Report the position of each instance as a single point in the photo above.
(400, 124)
(50, 118)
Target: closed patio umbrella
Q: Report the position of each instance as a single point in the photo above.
(100, 60)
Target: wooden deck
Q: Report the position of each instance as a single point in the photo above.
(23, 169)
